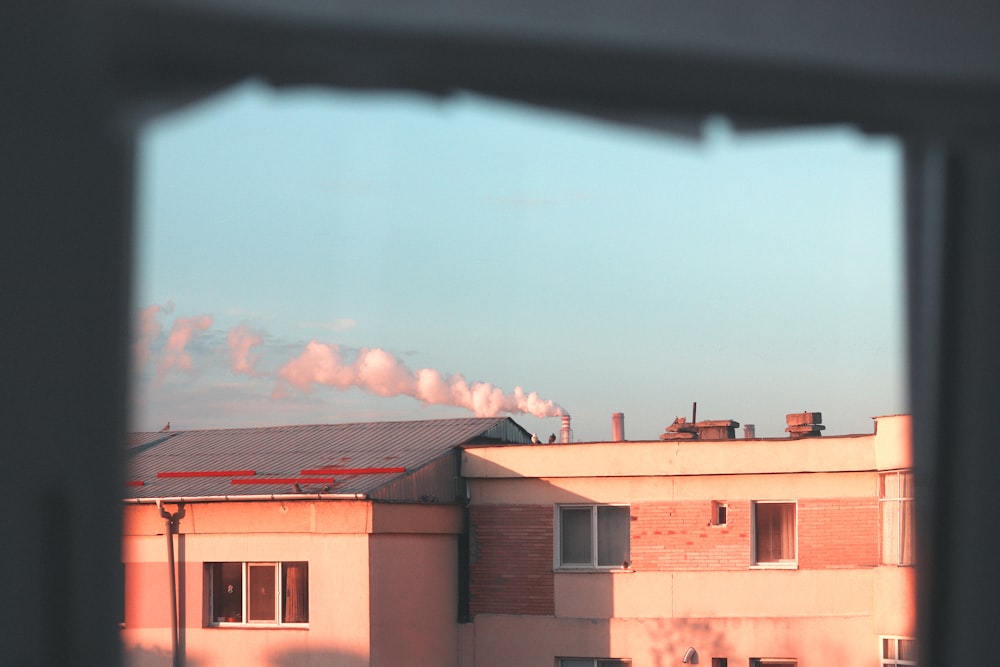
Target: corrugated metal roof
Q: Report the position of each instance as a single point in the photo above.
(285, 451)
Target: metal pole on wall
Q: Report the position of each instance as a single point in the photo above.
(171, 521)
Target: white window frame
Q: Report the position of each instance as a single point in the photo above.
(903, 506)
(894, 662)
(784, 563)
(594, 539)
(279, 594)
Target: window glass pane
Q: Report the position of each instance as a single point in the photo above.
(890, 532)
(575, 535)
(906, 537)
(888, 648)
(576, 662)
(612, 535)
(613, 663)
(775, 532)
(906, 484)
(907, 649)
(890, 485)
(227, 592)
(260, 599)
(295, 584)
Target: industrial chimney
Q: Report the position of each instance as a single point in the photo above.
(618, 427)
(566, 433)
(749, 432)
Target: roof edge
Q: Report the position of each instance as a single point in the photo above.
(257, 497)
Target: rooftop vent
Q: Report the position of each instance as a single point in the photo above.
(618, 427)
(711, 429)
(804, 424)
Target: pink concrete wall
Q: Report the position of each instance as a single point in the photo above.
(414, 600)
(338, 628)
(895, 610)
(382, 583)
(502, 640)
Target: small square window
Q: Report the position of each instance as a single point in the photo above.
(592, 536)
(258, 593)
(774, 534)
(720, 513)
(720, 662)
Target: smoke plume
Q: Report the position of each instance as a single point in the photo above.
(378, 372)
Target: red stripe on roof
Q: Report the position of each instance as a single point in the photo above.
(285, 480)
(137, 482)
(353, 471)
(207, 473)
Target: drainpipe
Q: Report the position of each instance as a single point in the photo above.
(171, 524)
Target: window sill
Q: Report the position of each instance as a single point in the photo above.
(259, 626)
(774, 566)
(592, 570)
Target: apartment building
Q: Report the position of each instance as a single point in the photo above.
(459, 543)
(733, 552)
(299, 545)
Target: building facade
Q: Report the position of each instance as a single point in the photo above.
(730, 552)
(458, 543)
(298, 546)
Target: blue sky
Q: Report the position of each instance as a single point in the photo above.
(318, 256)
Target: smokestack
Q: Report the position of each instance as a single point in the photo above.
(618, 427)
(749, 432)
(566, 433)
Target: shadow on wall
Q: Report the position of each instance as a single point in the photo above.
(141, 656)
(669, 640)
(317, 658)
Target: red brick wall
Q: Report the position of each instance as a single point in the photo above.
(512, 545)
(511, 560)
(838, 532)
(833, 533)
(678, 536)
